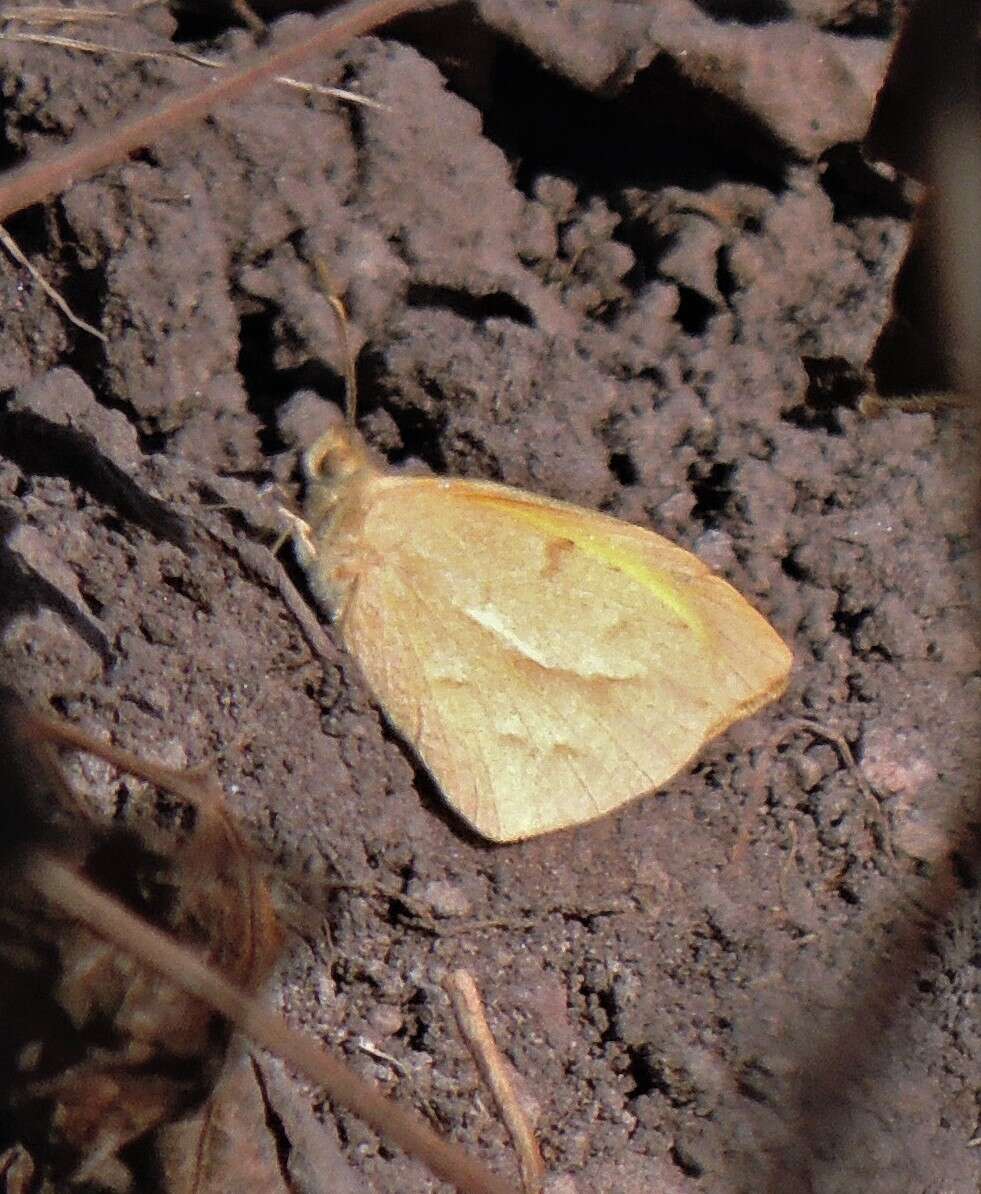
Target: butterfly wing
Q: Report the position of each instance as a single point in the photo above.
(547, 663)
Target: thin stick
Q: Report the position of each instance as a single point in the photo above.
(245, 12)
(37, 180)
(14, 249)
(49, 729)
(872, 799)
(758, 786)
(181, 55)
(83, 901)
(57, 14)
(469, 1012)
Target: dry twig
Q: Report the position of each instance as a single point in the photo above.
(469, 1012)
(181, 55)
(14, 250)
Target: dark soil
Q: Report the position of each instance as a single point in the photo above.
(629, 256)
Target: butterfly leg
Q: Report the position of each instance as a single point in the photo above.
(299, 531)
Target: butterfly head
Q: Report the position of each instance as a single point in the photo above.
(334, 461)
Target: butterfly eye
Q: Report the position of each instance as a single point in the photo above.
(324, 454)
(317, 458)
(336, 454)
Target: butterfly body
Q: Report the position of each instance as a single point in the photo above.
(546, 662)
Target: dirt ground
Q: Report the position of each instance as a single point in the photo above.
(629, 256)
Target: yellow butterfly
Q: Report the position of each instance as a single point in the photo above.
(546, 663)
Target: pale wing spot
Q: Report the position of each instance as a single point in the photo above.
(581, 660)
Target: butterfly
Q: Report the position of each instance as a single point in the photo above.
(546, 663)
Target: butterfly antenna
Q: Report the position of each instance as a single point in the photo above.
(343, 325)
